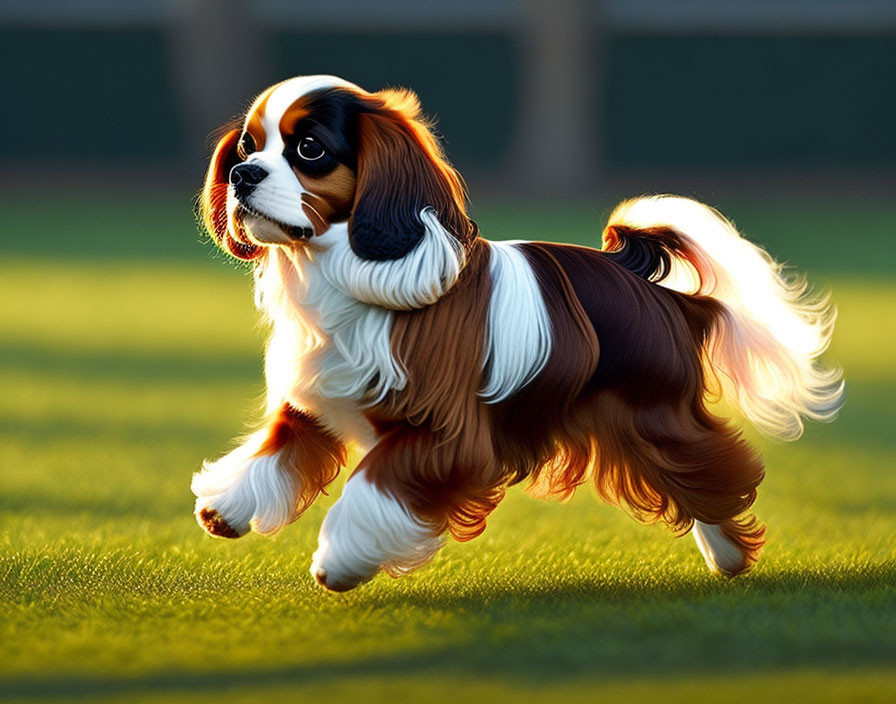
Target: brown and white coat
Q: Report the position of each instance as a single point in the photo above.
(462, 366)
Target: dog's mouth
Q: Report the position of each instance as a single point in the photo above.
(245, 215)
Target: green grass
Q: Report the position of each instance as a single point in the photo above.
(129, 353)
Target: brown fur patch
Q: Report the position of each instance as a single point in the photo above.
(213, 524)
(436, 451)
(748, 535)
(213, 200)
(327, 199)
(299, 110)
(532, 433)
(308, 450)
(672, 460)
(441, 353)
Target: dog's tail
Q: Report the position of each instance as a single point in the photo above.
(771, 330)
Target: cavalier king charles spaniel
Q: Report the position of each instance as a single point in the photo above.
(461, 366)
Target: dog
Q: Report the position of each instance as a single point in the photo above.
(462, 366)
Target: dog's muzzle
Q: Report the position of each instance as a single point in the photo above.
(245, 177)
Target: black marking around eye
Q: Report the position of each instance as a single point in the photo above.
(333, 121)
(310, 149)
(316, 168)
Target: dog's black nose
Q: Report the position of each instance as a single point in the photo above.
(244, 177)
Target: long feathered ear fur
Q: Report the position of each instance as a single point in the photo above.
(401, 171)
(212, 205)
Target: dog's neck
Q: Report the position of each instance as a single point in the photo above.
(334, 345)
(332, 311)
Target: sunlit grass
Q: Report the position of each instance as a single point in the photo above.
(121, 372)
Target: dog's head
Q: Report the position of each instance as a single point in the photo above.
(314, 151)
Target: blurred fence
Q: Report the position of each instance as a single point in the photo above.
(564, 89)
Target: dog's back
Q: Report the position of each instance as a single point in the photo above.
(649, 338)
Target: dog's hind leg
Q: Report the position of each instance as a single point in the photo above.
(722, 556)
(680, 464)
(270, 479)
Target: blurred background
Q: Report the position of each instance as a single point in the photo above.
(555, 97)
(130, 350)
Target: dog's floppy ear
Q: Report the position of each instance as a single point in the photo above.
(213, 200)
(401, 171)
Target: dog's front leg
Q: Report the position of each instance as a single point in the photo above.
(370, 529)
(410, 489)
(270, 479)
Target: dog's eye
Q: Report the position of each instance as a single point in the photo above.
(246, 145)
(310, 149)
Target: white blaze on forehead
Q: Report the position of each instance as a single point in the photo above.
(285, 94)
(278, 196)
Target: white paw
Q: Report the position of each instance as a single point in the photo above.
(720, 554)
(243, 491)
(367, 531)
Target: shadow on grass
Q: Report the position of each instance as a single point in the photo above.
(128, 366)
(137, 431)
(580, 629)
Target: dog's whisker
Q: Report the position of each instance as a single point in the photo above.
(314, 210)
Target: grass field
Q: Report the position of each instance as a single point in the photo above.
(130, 352)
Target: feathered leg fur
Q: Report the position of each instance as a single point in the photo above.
(269, 480)
(680, 464)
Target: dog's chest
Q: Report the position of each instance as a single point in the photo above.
(329, 352)
(353, 359)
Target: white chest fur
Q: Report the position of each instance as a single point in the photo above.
(328, 352)
(332, 315)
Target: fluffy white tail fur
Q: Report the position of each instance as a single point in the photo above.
(773, 330)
